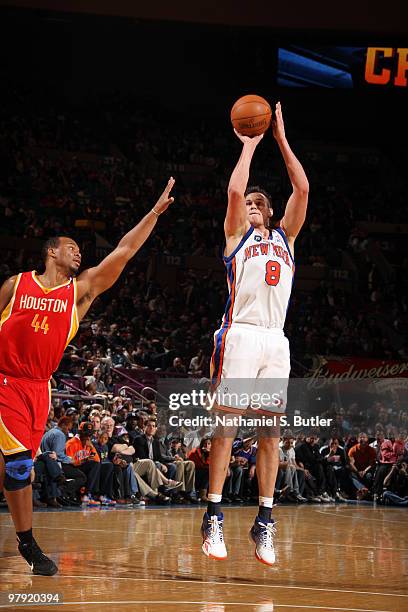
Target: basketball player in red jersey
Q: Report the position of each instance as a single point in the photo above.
(39, 315)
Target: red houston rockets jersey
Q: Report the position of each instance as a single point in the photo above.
(36, 326)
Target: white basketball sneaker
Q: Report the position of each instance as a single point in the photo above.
(213, 537)
(262, 535)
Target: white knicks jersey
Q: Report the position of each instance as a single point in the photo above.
(260, 276)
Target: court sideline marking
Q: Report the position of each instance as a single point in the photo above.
(359, 518)
(214, 582)
(200, 603)
(309, 543)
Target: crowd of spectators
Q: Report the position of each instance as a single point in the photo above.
(118, 456)
(46, 184)
(344, 468)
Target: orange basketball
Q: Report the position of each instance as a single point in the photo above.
(251, 115)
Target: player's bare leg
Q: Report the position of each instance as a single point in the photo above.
(20, 504)
(212, 526)
(267, 463)
(219, 460)
(16, 475)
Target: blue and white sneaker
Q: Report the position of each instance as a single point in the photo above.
(262, 535)
(213, 537)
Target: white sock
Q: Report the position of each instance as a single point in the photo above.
(266, 501)
(215, 498)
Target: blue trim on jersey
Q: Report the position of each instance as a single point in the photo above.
(244, 238)
(217, 353)
(225, 325)
(282, 233)
(230, 274)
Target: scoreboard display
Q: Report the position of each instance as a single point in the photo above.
(343, 67)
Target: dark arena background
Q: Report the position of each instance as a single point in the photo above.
(100, 104)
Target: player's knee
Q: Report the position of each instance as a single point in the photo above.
(269, 435)
(18, 471)
(268, 442)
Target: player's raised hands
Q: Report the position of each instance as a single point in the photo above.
(254, 140)
(165, 199)
(278, 126)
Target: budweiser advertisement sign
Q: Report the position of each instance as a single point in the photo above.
(356, 368)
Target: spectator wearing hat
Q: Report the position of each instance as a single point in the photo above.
(86, 458)
(66, 404)
(177, 449)
(121, 414)
(131, 425)
(71, 411)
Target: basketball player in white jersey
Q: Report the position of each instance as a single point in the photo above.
(251, 344)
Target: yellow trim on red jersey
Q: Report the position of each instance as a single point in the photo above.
(8, 309)
(74, 316)
(48, 289)
(9, 445)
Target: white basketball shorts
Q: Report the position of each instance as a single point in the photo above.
(250, 368)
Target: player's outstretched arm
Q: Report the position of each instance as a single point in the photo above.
(94, 281)
(236, 221)
(6, 292)
(295, 212)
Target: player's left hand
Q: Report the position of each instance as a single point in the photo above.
(278, 126)
(249, 140)
(165, 200)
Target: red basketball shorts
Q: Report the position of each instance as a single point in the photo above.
(24, 407)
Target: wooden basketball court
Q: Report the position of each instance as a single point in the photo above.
(328, 558)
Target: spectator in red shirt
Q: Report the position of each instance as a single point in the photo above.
(362, 461)
(399, 444)
(201, 458)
